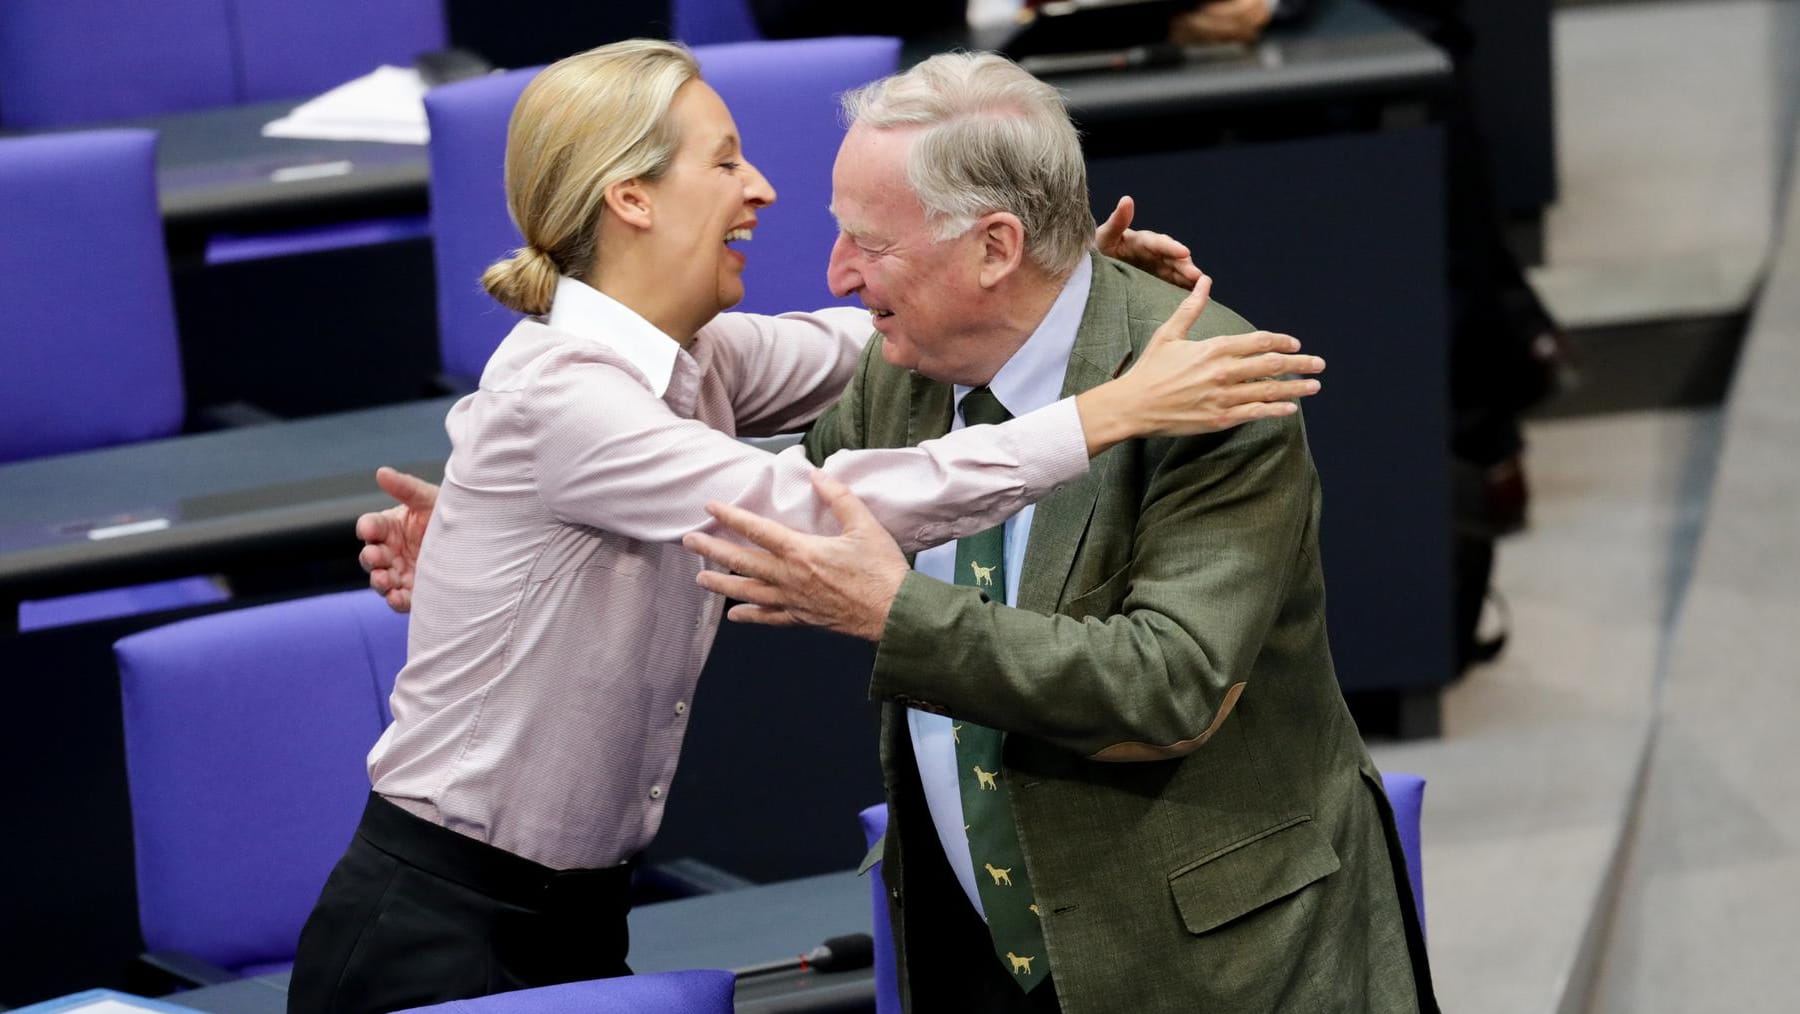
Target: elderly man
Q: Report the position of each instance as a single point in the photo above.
(1112, 730)
(1136, 786)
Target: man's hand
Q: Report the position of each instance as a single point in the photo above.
(845, 583)
(1180, 387)
(1220, 21)
(1152, 252)
(392, 537)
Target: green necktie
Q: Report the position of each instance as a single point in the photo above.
(1000, 875)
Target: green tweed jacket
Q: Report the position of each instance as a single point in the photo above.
(1203, 827)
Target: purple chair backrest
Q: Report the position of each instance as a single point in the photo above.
(784, 97)
(695, 991)
(293, 50)
(1405, 792)
(709, 22)
(82, 61)
(245, 739)
(87, 321)
(887, 982)
(470, 226)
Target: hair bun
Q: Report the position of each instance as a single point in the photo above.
(524, 282)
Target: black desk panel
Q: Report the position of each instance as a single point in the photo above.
(216, 172)
(232, 499)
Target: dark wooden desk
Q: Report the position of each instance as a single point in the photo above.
(217, 173)
(229, 500)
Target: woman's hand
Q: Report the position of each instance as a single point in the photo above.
(1151, 252)
(391, 538)
(1180, 387)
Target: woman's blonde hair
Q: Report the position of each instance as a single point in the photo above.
(584, 123)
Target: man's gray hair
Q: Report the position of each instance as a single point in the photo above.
(993, 138)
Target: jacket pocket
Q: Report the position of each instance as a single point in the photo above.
(1101, 600)
(1250, 873)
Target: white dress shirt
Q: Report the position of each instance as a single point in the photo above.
(1031, 379)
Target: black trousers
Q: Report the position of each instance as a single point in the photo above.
(416, 914)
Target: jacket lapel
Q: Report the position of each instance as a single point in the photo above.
(1102, 349)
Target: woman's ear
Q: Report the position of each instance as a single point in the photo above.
(1002, 238)
(630, 201)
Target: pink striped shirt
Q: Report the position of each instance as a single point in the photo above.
(557, 631)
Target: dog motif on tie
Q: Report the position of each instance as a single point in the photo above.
(983, 575)
(1021, 966)
(985, 779)
(1002, 878)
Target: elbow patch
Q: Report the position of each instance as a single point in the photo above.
(1139, 752)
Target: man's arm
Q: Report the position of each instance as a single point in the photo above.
(1224, 529)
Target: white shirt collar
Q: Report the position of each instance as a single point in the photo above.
(586, 312)
(1033, 377)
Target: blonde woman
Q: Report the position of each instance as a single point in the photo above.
(557, 627)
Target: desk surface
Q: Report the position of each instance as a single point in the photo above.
(215, 168)
(731, 930)
(210, 501)
(1349, 49)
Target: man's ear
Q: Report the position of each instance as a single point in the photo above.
(630, 202)
(1002, 239)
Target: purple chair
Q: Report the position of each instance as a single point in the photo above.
(89, 341)
(295, 50)
(470, 226)
(80, 61)
(784, 96)
(91, 354)
(887, 982)
(697, 991)
(1405, 794)
(245, 739)
(709, 22)
(65, 62)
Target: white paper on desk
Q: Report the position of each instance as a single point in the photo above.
(387, 104)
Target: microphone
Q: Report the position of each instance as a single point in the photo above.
(836, 954)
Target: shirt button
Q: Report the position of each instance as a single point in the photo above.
(681, 707)
(655, 792)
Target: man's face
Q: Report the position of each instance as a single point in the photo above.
(925, 294)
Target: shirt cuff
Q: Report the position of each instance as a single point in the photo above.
(1051, 447)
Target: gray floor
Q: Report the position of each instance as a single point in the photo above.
(1529, 787)
(1672, 120)
(1709, 914)
(1613, 822)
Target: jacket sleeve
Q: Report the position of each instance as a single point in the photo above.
(1147, 665)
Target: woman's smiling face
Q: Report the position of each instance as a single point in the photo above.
(707, 199)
